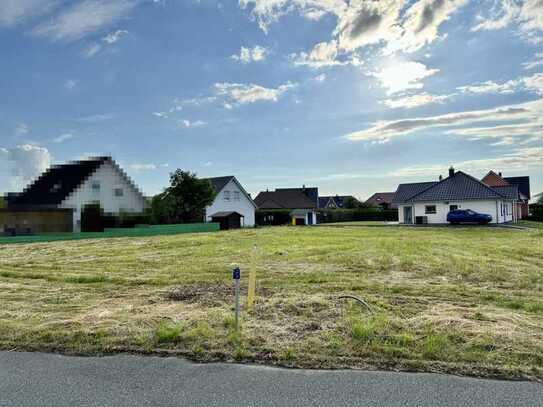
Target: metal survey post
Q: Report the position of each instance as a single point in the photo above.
(236, 275)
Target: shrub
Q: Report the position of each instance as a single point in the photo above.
(360, 214)
(167, 332)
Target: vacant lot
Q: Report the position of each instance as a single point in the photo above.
(465, 300)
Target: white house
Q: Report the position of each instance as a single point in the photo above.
(231, 199)
(430, 202)
(75, 184)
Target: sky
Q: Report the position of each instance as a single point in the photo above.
(351, 96)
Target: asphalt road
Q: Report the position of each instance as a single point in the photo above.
(35, 379)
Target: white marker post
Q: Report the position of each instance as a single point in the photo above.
(236, 275)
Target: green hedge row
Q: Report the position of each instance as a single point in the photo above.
(357, 215)
(536, 212)
(282, 216)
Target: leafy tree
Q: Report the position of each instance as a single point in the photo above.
(351, 203)
(184, 201)
(540, 199)
(3, 203)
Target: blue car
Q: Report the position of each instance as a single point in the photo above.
(468, 216)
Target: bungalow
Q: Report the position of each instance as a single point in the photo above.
(430, 202)
(336, 202)
(382, 200)
(233, 207)
(68, 188)
(523, 183)
(301, 202)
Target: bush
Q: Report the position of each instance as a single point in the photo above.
(94, 219)
(360, 214)
(536, 212)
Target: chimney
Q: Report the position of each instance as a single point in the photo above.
(440, 177)
(451, 171)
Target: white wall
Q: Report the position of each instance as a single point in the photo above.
(490, 207)
(109, 178)
(243, 206)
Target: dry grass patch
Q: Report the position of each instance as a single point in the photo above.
(463, 300)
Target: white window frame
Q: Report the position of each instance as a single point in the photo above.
(426, 212)
(115, 190)
(226, 196)
(237, 196)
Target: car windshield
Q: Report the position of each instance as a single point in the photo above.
(470, 212)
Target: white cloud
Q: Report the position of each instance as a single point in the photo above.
(526, 15)
(323, 54)
(24, 163)
(13, 12)
(529, 112)
(247, 55)
(521, 159)
(92, 50)
(70, 84)
(94, 118)
(398, 25)
(320, 78)
(533, 83)
(113, 37)
(403, 76)
(536, 61)
(238, 93)
(412, 101)
(187, 123)
(491, 87)
(64, 137)
(21, 129)
(422, 22)
(84, 18)
(142, 167)
(368, 22)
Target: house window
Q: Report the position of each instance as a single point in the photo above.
(430, 210)
(95, 187)
(236, 196)
(453, 207)
(227, 195)
(119, 192)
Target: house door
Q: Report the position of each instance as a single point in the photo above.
(310, 218)
(407, 214)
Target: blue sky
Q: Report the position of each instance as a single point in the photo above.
(351, 96)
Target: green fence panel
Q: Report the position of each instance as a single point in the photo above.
(144, 231)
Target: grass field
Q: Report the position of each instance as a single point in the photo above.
(462, 300)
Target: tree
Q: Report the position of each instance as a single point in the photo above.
(540, 199)
(184, 200)
(3, 203)
(351, 203)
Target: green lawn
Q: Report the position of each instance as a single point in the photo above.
(462, 300)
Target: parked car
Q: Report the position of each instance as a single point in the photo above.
(468, 216)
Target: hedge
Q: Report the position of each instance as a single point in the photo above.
(352, 215)
(282, 216)
(536, 212)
